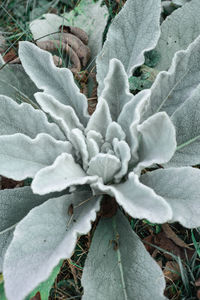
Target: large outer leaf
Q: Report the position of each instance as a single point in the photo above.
(25, 119)
(135, 29)
(16, 84)
(22, 157)
(180, 188)
(186, 120)
(45, 287)
(172, 88)
(46, 235)
(118, 267)
(180, 29)
(57, 82)
(138, 200)
(14, 205)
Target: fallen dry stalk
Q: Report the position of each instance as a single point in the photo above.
(72, 41)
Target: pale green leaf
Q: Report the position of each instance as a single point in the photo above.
(14, 205)
(105, 166)
(45, 287)
(63, 115)
(16, 84)
(172, 88)
(118, 267)
(57, 82)
(116, 90)
(138, 200)
(180, 188)
(186, 120)
(177, 32)
(157, 141)
(63, 173)
(134, 30)
(22, 157)
(130, 117)
(23, 118)
(44, 237)
(101, 118)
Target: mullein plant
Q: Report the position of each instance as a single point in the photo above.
(75, 160)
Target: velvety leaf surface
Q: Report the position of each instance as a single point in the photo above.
(64, 172)
(16, 84)
(157, 142)
(63, 115)
(180, 29)
(130, 117)
(116, 90)
(5, 239)
(172, 88)
(23, 118)
(114, 130)
(180, 188)
(186, 120)
(138, 200)
(134, 30)
(180, 2)
(57, 82)
(105, 166)
(22, 157)
(46, 235)
(118, 266)
(14, 205)
(78, 140)
(123, 152)
(101, 118)
(45, 287)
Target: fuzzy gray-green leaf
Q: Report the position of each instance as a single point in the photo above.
(138, 200)
(118, 267)
(134, 30)
(116, 91)
(63, 173)
(22, 157)
(14, 205)
(180, 29)
(186, 120)
(180, 188)
(46, 235)
(172, 88)
(57, 82)
(23, 118)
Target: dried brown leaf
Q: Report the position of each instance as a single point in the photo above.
(172, 236)
(78, 46)
(10, 56)
(171, 271)
(54, 45)
(80, 33)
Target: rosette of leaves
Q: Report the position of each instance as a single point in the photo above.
(74, 160)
